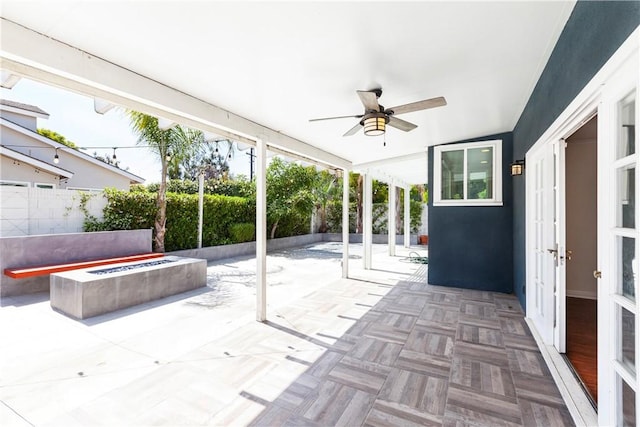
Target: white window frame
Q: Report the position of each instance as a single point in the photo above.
(44, 185)
(496, 145)
(10, 183)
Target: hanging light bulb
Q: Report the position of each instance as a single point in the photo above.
(229, 156)
(168, 156)
(217, 151)
(56, 158)
(114, 154)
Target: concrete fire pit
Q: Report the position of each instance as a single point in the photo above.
(93, 291)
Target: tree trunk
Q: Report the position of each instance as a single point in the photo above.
(273, 229)
(161, 205)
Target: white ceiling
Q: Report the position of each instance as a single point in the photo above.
(283, 63)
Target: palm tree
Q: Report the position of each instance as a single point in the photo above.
(175, 142)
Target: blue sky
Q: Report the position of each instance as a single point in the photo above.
(72, 115)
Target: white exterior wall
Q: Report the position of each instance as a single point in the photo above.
(14, 170)
(29, 211)
(85, 173)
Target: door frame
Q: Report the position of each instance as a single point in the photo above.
(577, 113)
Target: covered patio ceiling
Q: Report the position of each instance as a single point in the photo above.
(279, 64)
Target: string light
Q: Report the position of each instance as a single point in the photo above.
(168, 156)
(56, 158)
(114, 154)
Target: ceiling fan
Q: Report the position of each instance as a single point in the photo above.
(376, 117)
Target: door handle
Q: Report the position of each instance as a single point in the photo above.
(554, 252)
(597, 274)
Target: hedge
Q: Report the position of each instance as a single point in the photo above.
(134, 210)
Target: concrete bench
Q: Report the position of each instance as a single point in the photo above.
(93, 291)
(23, 273)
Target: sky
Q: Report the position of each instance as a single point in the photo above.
(72, 115)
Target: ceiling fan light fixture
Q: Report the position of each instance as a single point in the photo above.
(375, 126)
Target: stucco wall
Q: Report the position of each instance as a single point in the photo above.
(592, 34)
(471, 246)
(29, 251)
(23, 120)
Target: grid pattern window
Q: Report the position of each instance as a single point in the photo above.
(468, 174)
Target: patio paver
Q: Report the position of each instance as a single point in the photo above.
(386, 349)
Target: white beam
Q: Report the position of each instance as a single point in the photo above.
(165, 124)
(101, 106)
(200, 206)
(345, 223)
(407, 217)
(391, 160)
(391, 220)
(367, 221)
(8, 80)
(33, 55)
(261, 231)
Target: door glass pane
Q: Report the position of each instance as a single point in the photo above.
(627, 198)
(626, 132)
(452, 175)
(627, 354)
(626, 272)
(480, 173)
(628, 404)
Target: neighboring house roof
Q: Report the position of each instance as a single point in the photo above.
(47, 167)
(8, 105)
(35, 135)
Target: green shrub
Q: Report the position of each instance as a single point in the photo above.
(136, 210)
(242, 232)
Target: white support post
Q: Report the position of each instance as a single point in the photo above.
(345, 223)
(367, 221)
(261, 231)
(407, 217)
(200, 207)
(391, 219)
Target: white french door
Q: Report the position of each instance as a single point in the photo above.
(618, 248)
(545, 237)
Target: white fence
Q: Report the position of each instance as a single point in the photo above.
(26, 211)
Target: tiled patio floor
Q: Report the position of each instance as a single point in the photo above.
(386, 349)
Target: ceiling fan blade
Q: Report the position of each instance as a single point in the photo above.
(419, 105)
(401, 124)
(353, 130)
(359, 116)
(369, 100)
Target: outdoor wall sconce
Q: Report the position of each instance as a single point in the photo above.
(517, 168)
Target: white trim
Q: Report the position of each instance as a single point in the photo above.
(496, 200)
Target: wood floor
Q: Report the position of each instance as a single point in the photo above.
(426, 355)
(582, 341)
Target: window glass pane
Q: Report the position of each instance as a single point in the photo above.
(480, 173)
(626, 273)
(627, 352)
(628, 404)
(626, 132)
(626, 198)
(452, 175)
